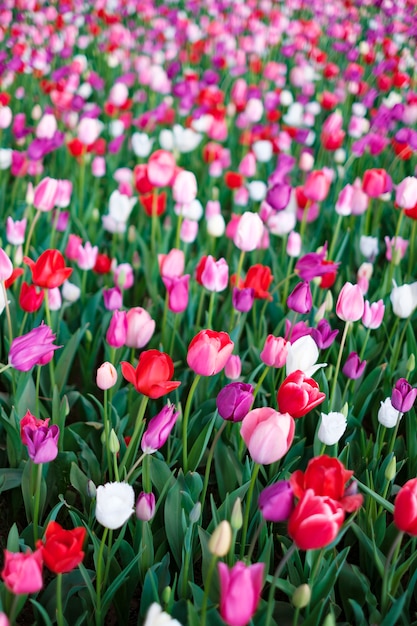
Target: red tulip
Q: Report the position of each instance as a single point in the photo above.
(153, 374)
(298, 394)
(49, 270)
(259, 278)
(315, 521)
(405, 508)
(62, 549)
(30, 299)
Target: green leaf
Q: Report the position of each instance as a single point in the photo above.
(13, 539)
(395, 611)
(327, 580)
(25, 394)
(46, 620)
(66, 358)
(10, 478)
(117, 582)
(200, 446)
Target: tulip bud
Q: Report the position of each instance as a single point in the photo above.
(411, 363)
(301, 596)
(330, 620)
(391, 469)
(91, 489)
(195, 513)
(236, 519)
(114, 443)
(145, 506)
(221, 539)
(106, 376)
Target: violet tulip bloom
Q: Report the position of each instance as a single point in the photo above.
(300, 299)
(234, 401)
(240, 592)
(242, 299)
(159, 429)
(145, 506)
(177, 288)
(323, 335)
(353, 367)
(403, 395)
(34, 348)
(42, 443)
(314, 264)
(276, 502)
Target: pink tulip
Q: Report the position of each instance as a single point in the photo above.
(396, 249)
(317, 186)
(34, 348)
(159, 429)
(209, 352)
(350, 303)
(161, 168)
(215, 275)
(247, 166)
(177, 288)
(124, 276)
(189, 231)
(140, 328)
(249, 232)
(22, 573)
(184, 189)
(73, 246)
(63, 195)
(373, 314)
(406, 193)
(376, 182)
(45, 194)
(274, 352)
(240, 592)
(117, 330)
(233, 367)
(87, 256)
(88, 130)
(267, 434)
(171, 264)
(6, 266)
(15, 231)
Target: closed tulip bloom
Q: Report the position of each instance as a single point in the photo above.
(31, 421)
(209, 352)
(106, 376)
(221, 539)
(73, 246)
(45, 194)
(403, 300)
(275, 351)
(42, 443)
(63, 194)
(376, 182)
(298, 394)
(317, 186)
(240, 592)
(405, 508)
(32, 349)
(387, 415)
(161, 168)
(276, 502)
(212, 274)
(242, 299)
(171, 264)
(178, 292)
(267, 434)
(22, 573)
(49, 270)
(87, 256)
(15, 231)
(332, 427)
(396, 249)
(184, 189)
(403, 395)
(114, 504)
(159, 429)
(259, 278)
(140, 328)
(152, 376)
(249, 232)
(6, 266)
(88, 130)
(300, 299)
(30, 299)
(353, 367)
(350, 303)
(62, 549)
(315, 521)
(233, 367)
(113, 298)
(373, 314)
(117, 330)
(234, 401)
(278, 196)
(294, 244)
(406, 193)
(145, 507)
(124, 276)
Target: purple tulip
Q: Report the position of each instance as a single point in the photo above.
(276, 502)
(300, 299)
(242, 299)
(42, 443)
(34, 348)
(323, 335)
(403, 395)
(159, 429)
(234, 401)
(353, 367)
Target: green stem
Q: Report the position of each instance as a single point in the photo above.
(49, 322)
(146, 474)
(335, 236)
(260, 381)
(245, 526)
(185, 423)
(174, 333)
(207, 589)
(394, 434)
(208, 463)
(394, 255)
(200, 308)
(30, 233)
(412, 248)
(387, 578)
(107, 433)
(211, 308)
(135, 466)
(397, 346)
(59, 612)
(38, 386)
(99, 579)
(37, 499)
(277, 574)
(6, 306)
(339, 360)
(81, 187)
(164, 318)
(178, 231)
(239, 267)
(134, 442)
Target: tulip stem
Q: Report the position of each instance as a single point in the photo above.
(259, 383)
(59, 614)
(30, 233)
(239, 268)
(394, 434)
(277, 574)
(335, 236)
(36, 500)
(397, 346)
(339, 360)
(134, 442)
(107, 434)
(207, 589)
(6, 306)
(387, 578)
(135, 466)
(49, 322)
(254, 476)
(99, 581)
(209, 461)
(185, 423)
(178, 231)
(394, 254)
(211, 308)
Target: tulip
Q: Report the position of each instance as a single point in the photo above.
(45, 194)
(276, 502)
(209, 352)
(42, 443)
(278, 196)
(49, 270)
(314, 264)
(221, 539)
(388, 416)
(376, 182)
(242, 299)
(234, 401)
(157, 617)
(32, 422)
(87, 256)
(88, 131)
(403, 300)
(140, 328)
(396, 249)
(303, 354)
(172, 264)
(323, 335)
(294, 244)
(62, 549)
(188, 231)
(113, 298)
(259, 278)
(34, 348)
(406, 193)
(22, 573)
(403, 395)
(298, 394)
(353, 367)
(124, 276)
(161, 168)
(275, 351)
(240, 592)
(30, 299)
(73, 246)
(405, 508)
(6, 266)
(350, 303)
(152, 376)
(159, 429)
(315, 521)
(233, 367)
(267, 434)
(15, 231)
(117, 330)
(145, 506)
(178, 291)
(369, 247)
(249, 232)
(373, 314)
(300, 299)
(114, 504)
(184, 189)
(317, 186)
(332, 427)
(70, 292)
(106, 376)
(212, 274)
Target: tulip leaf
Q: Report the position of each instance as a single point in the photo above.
(25, 394)
(66, 358)
(46, 620)
(13, 539)
(324, 585)
(395, 611)
(173, 515)
(10, 478)
(156, 580)
(200, 446)
(116, 583)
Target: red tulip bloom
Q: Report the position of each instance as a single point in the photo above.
(259, 278)
(298, 394)
(30, 298)
(405, 508)
(49, 270)
(62, 549)
(315, 521)
(152, 376)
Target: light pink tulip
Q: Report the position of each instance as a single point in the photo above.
(249, 232)
(45, 194)
(171, 264)
(140, 328)
(373, 314)
(184, 189)
(350, 303)
(267, 434)
(177, 288)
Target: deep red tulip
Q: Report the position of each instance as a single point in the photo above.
(153, 374)
(49, 270)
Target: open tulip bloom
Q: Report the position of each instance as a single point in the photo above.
(208, 304)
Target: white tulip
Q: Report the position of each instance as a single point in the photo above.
(302, 355)
(114, 504)
(332, 427)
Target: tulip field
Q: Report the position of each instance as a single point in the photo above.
(208, 294)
